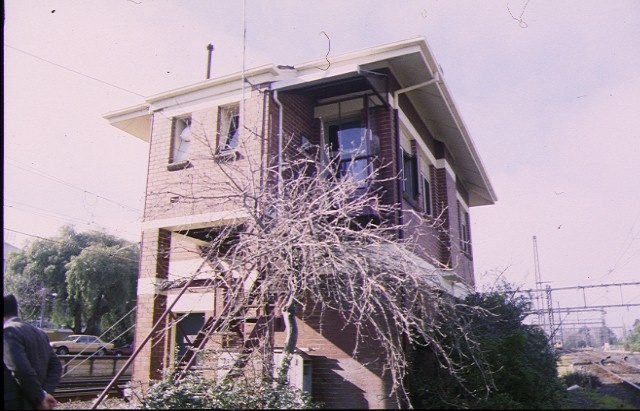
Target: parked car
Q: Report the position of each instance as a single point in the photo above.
(122, 350)
(85, 344)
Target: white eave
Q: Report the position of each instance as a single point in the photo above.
(410, 61)
(134, 120)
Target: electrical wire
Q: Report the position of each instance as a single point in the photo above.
(41, 173)
(72, 70)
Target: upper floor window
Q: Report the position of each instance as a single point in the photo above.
(465, 234)
(426, 196)
(180, 140)
(409, 174)
(352, 148)
(228, 131)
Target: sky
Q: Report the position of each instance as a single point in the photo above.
(549, 91)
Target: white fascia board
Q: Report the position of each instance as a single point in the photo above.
(210, 90)
(448, 280)
(367, 56)
(258, 74)
(196, 220)
(350, 62)
(315, 76)
(127, 113)
(195, 268)
(135, 121)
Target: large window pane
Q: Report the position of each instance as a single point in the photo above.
(356, 169)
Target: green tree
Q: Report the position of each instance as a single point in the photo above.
(522, 364)
(97, 280)
(43, 266)
(632, 341)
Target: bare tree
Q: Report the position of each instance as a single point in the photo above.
(309, 240)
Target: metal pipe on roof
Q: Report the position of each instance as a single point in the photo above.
(210, 49)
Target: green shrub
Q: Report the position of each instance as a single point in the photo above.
(581, 378)
(516, 368)
(195, 392)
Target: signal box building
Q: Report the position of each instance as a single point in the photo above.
(392, 98)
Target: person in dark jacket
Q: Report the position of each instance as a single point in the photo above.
(32, 369)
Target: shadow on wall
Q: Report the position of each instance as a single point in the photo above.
(325, 380)
(335, 378)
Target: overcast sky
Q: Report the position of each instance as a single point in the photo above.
(549, 91)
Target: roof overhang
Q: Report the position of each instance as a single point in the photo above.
(411, 63)
(421, 80)
(134, 120)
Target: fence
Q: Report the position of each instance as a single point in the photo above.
(94, 366)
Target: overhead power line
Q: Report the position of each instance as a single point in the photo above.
(73, 71)
(61, 181)
(59, 217)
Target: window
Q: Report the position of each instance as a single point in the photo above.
(187, 328)
(228, 129)
(350, 145)
(465, 235)
(426, 196)
(347, 139)
(409, 174)
(181, 139)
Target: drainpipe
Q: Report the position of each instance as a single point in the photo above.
(280, 120)
(399, 159)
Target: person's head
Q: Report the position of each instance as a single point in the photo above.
(10, 308)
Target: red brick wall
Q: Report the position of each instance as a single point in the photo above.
(338, 379)
(383, 123)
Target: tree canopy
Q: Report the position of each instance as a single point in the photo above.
(92, 275)
(521, 362)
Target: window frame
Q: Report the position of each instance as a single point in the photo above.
(178, 147)
(350, 160)
(409, 161)
(465, 233)
(228, 120)
(427, 203)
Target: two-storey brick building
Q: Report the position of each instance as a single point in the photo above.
(390, 101)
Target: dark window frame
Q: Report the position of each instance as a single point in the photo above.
(426, 196)
(465, 233)
(410, 174)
